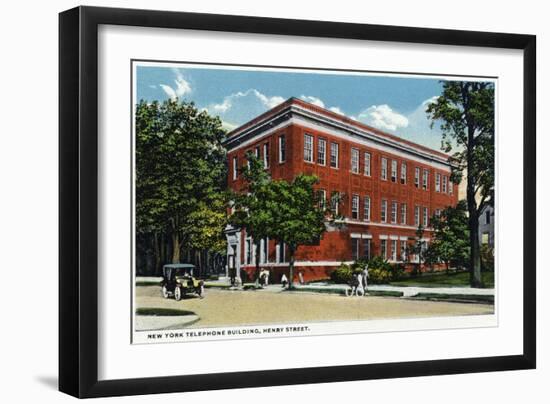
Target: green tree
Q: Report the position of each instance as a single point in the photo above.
(465, 113)
(294, 214)
(450, 237)
(250, 205)
(180, 173)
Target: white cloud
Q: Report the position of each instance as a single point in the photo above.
(243, 106)
(313, 100)
(181, 87)
(383, 117)
(337, 110)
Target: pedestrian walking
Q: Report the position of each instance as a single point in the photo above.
(284, 280)
(365, 277)
(301, 277)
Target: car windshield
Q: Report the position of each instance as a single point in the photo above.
(182, 272)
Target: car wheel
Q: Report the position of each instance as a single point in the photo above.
(165, 293)
(177, 293)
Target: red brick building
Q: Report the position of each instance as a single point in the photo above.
(387, 186)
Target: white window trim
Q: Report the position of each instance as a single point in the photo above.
(337, 148)
(310, 149)
(281, 141)
(324, 143)
(354, 153)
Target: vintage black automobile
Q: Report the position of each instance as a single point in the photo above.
(178, 280)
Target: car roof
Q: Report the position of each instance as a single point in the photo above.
(179, 266)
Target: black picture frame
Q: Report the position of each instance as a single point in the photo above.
(78, 200)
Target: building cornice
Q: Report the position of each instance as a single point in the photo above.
(306, 112)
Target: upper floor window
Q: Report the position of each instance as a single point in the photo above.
(393, 171)
(487, 216)
(355, 207)
(384, 168)
(450, 187)
(367, 163)
(445, 181)
(235, 168)
(438, 182)
(416, 177)
(403, 213)
(366, 209)
(394, 212)
(334, 202)
(322, 199)
(282, 149)
(257, 152)
(308, 148)
(355, 161)
(384, 211)
(334, 155)
(266, 155)
(322, 152)
(403, 173)
(425, 217)
(425, 179)
(417, 215)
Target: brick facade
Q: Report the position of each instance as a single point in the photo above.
(293, 120)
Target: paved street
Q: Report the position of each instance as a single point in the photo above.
(227, 308)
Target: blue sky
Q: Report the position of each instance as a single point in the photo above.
(391, 103)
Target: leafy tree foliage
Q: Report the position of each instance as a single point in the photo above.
(294, 214)
(450, 237)
(180, 174)
(465, 112)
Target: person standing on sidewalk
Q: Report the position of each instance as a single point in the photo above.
(365, 277)
(284, 280)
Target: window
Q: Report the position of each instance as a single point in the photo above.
(393, 171)
(257, 152)
(445, 184)
(384, 211)
(487, 216)
(334, 202)
(235, 169)
(394, 212)
(355, 248)
(383, 248)
(485, 238)
(417, 215)
(366, 209)
(355, 207)
(425, 217)
(366, 248)
(280, 253)
(322, 198)
(322, 152)
(403, 213)
(282, 149)
(248, 251)
(425, 179)
(367, 164)
(248, 154)
(450, 187)
(393, 250)
(308, 148)
(438, 182)
(355, 161)
(416, 177)
(334, 155)
(403, 173)
(403, 250)
(384, 168)
(264, 251)
(266, 155)
(438, 212)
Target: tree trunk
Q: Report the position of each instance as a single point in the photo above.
(176, 248)
(156, 247)
(291, 251)
(257, 245)
(473, 219)
(475, 261)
